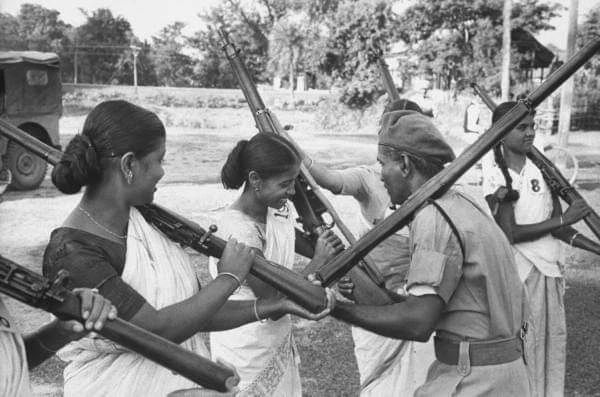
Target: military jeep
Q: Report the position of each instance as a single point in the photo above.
(31, 99)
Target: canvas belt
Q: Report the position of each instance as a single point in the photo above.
(466, 354)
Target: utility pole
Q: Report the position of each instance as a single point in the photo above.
(505, 80)
(566, 93)
(75, 63)
(136, 51)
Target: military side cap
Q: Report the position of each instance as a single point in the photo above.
(415, 134)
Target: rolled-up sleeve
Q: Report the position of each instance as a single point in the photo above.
(436, 258)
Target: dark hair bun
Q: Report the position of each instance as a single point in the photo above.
(78, 167)
(232, 173)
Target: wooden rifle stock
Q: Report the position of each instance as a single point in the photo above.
(185, 232)
(309, 200)
(444, 180)
(554, 178)
(37, 291)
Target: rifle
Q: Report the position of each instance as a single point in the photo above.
(558, 184)
(309, 200)
(438, 184)
(388, 82)
(187, 233)
(37, 291)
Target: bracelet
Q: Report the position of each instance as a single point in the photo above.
(236, 278)
(260, 320)
(573, 238)
(44, 346)
(562, 223)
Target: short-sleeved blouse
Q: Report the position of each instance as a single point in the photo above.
(92, 262)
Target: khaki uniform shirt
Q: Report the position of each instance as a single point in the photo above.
(482, 291)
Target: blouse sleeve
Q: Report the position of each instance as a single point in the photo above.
(88, 267)
(243, 230)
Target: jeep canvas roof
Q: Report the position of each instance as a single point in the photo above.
(43, 58)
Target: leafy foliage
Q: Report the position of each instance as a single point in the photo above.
(358, 30)
(173, 67)
(462, 39)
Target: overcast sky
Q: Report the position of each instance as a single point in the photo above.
(147, 17)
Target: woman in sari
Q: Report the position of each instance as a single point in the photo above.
(106, 244)
(264, 353)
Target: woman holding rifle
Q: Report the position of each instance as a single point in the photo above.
(532, 219)
(264, 353)
(105, 243)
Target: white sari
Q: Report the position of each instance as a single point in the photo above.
(264, 354)
(163, 274)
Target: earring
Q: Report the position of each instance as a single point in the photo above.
(256, 188)
(129, 177)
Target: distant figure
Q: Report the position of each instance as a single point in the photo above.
(425, 102)
(477, 119)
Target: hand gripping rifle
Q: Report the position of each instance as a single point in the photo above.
(552, 175)
(437, 185)
(309, 200)
(37, 291)
(187, 233)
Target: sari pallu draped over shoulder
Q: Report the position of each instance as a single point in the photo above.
(163, 274)
(264, 353)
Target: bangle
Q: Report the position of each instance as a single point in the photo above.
(573, 238)
(236, 278)
(256, 312)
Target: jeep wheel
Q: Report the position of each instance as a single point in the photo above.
(28, 170)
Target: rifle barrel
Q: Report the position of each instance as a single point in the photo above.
(37, 291)
(297, 288)
(266, 122)
(388, 81)
(559, 184)
(443, 180)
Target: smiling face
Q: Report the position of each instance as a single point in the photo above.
(147, 171)
(274, 191)
(394, 174)
(520, 139)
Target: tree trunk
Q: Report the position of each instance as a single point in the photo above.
(505, 82)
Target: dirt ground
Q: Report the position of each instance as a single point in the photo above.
(194, 158)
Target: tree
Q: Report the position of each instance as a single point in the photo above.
(249, 25)
(289, 41)
(103, 41)
(358, 30)
(41, 28)
(9, 33)
(173, 68)
(460, 39)
(589, 30)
